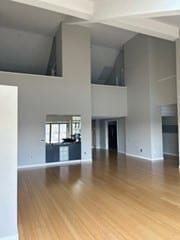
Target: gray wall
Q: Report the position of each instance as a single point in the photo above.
(148, 61)
(162, 65)
(42, 95)
(97, 134)
(117, 74)
(102, 57)
(108, 101)
(138, 127)
(103, 134)
(59, 49)
(178, 85)
(23, 51)
(121, 130)
(170, 135)
(100, 133)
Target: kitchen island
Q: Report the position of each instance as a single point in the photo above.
(60, 152)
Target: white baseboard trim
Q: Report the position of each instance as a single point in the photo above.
(14, 237)
(171, 154)
(56, 164)
(142, 157)
(122, 152)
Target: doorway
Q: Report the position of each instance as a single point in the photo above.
(112, 135)
(170, 135)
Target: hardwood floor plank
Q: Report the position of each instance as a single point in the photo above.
(115, 198)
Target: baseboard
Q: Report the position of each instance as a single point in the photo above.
(145, 158)
(14, 237)
(171, 154)
(122, 152)
(56, 164)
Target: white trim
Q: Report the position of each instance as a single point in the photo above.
(46, 165)
(122, 152)
(79, 8)
(142, 157)
(14, 237)
(145, 26)
(171, 154)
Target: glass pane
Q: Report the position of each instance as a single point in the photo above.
(76, 128)
(47, 133)
(76, 118)
(63, 131)
(54, 133)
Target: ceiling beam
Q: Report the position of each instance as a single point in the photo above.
(108, 9)
(146, 26)
(83, 9)
(129, 15)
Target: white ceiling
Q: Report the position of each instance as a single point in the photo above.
(109, 36)
(172, 20)
(28, 18)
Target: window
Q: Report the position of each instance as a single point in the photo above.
(56, 132)
(63, 131)
(47, 133)
(76, 125)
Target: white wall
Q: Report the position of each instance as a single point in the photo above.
(101, 57)
(42, 95)
(109, 101)
(8, 159)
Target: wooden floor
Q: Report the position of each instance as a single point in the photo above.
(115, 198)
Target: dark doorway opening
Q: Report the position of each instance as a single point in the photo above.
(112, 135)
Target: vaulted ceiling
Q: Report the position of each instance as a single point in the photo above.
(112, 23)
